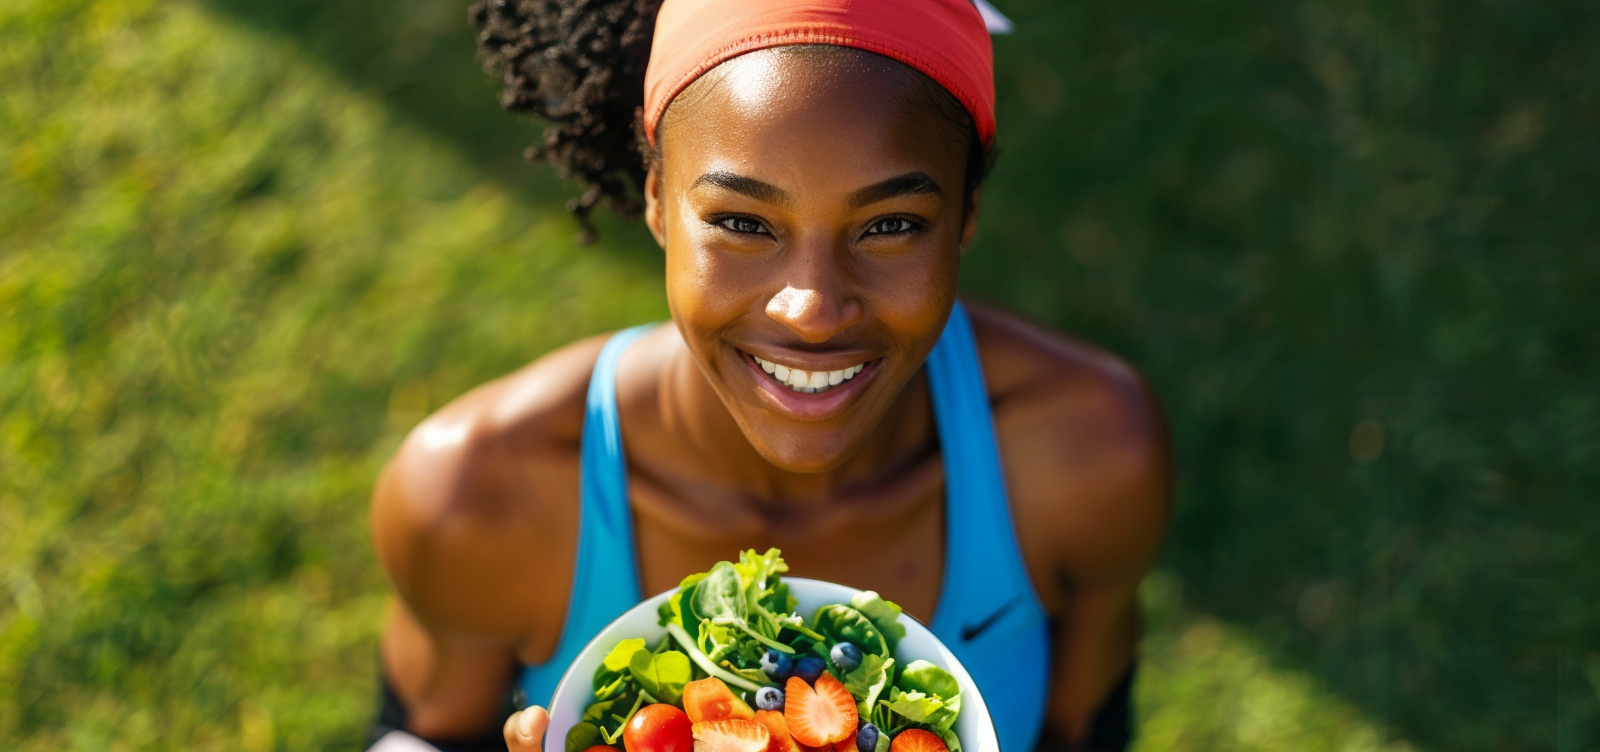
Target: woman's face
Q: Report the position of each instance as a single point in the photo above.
(812, 213)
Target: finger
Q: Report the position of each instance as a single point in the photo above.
(524, 731)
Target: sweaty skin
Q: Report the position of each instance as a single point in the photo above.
(809, 217)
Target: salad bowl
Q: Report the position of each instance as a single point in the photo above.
(575, 692)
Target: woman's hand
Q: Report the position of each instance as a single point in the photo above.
(525, 730)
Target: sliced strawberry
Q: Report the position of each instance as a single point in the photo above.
(917, 740)
(730, 736)
(781, 741)
(821, 715)
(846, 745)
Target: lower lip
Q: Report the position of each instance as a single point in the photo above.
(816, 406)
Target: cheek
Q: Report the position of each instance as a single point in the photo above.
(706, 289)
(911, 295)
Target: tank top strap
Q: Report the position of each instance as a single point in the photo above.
(605, 580)
(985, 576)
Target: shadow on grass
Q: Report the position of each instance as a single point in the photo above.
(1351, 247)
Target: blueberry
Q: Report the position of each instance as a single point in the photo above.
(809, 668)
(866, 737)
(778, 665)
(845, 655)
(769, 698)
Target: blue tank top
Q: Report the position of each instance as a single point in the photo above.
(987, 613)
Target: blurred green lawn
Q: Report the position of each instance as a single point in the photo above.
(245, 246)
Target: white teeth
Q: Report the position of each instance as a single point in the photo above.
(809, 382)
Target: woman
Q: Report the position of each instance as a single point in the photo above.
(811, 171)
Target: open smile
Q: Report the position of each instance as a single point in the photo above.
(808, 382)
(810, 394)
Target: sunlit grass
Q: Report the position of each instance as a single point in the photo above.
(230, 285)
(245, 246)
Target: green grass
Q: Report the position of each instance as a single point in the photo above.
(245, 246)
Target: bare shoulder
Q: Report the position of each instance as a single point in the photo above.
(1085, 448)
(474, 517)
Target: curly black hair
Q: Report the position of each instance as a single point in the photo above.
(579, 65)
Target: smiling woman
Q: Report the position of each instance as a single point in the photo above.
(810, 169)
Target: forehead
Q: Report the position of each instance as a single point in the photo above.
(799, 109)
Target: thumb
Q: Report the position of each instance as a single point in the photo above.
(525, 730)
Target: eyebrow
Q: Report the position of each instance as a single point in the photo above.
(748, 186)
(909, 184)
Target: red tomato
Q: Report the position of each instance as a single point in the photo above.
(659, 728)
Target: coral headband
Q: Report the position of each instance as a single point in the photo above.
(944, 39)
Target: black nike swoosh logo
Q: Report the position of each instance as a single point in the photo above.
(971, 632)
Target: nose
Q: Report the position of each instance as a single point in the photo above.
(817, 303)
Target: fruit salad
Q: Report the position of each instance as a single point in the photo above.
(740, 671)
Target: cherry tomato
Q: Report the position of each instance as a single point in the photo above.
(659, 728)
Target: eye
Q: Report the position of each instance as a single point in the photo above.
(741, 225)
(893, 226)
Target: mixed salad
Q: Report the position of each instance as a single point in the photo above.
(740, 671)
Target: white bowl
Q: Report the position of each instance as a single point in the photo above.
(973, 727)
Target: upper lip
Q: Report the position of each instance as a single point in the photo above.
(834, 361)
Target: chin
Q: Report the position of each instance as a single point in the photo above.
(800, 454)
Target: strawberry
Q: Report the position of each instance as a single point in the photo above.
(848, 744)
(821, 715)
(781, 741)
(917, 740)
(730, 736)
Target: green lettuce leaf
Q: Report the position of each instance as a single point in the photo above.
(924, 710)
(841, 623)
(867, 681)
(756, 569)
(916, 707)
(884, 614)
(922, 676)
(662, 675)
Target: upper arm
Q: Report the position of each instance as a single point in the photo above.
(474, 528)
(1111, 500)
(1087, 457)
(451, 636)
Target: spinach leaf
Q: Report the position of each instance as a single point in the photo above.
(841, 623)
(661, 675)
(884, 614)
(583, 736)
(721, 594)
